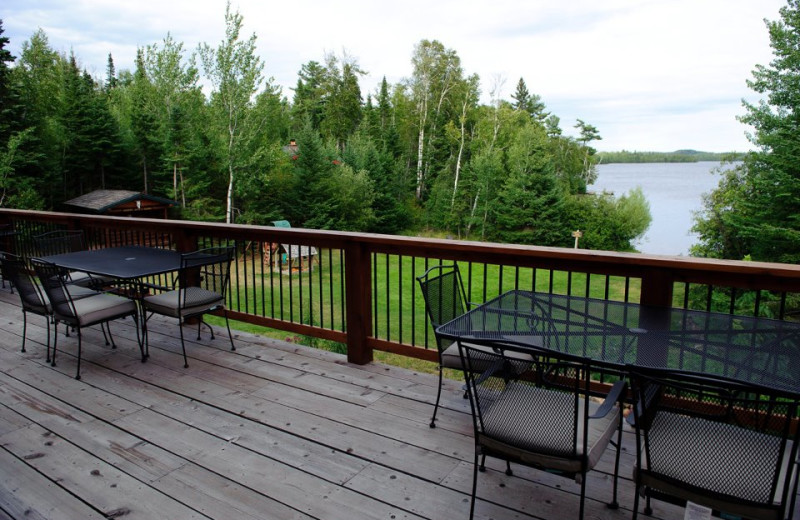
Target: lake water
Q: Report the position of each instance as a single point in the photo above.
(674, 191)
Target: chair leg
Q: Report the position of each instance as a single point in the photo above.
(228, 325)
(47, 323)
(80, 344)
(55, 343)
(145, 337)
(583, 496)
(113, 343)
(139, 336)
(25, 328)
(614, 504)
(438, 396)
(508, 468)
(183, 347)
(103, 327)
(474, 484)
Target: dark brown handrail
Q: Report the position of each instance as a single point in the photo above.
(658, 274)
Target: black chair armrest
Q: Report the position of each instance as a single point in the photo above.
(614, 395)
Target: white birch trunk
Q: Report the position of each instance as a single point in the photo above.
(460, 151)
(423, 119)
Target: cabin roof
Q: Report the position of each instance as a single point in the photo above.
(101, 201)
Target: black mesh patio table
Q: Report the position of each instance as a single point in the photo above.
(613, 335)
(127, 263)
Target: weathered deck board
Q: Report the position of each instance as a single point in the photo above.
(273, 430)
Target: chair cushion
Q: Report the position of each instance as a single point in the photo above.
(452, 359)
(198, 301)
(525, 436)
(76, 292)
(705, 461)
(83, 279)
(102, 307)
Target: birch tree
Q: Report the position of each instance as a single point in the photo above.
(468, 103)
(235, 71)
(437, 71)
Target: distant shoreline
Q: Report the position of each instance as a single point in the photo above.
(679, 156)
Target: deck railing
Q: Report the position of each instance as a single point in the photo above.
(360, 289)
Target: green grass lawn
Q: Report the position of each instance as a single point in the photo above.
(315, 297)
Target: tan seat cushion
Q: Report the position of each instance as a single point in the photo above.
(717, 457)
(103, 306)
(452, 359)
(169, 303)
(85, 279)
(524, 436)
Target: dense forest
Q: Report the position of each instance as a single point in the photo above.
(208, 128)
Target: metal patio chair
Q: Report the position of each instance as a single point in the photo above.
(729, 446)
(545, 419)
(69, 241)
(80, 312)
(445, 300)
(31, 294)
(200, 288)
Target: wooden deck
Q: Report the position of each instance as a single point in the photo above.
(271, 431)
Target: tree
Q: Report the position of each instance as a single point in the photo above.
(10, 107)
(588, 133)
(530, 207)
(144, 122)
(606, 222)
(756, 208)
(437, 71)
(527, 102)
(234, 70)
(308, 96)
(342, 109)
(174, 80)
(16, 191)
(111, 74)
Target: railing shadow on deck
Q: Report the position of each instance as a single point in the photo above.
(360, 290)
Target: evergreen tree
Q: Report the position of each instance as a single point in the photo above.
(521, 96)
(309, 103)
(144, 124)
(342, 110)
(530, 103)
(530, 208)
(10, 104)
(756, 209)
(313, 164)
(111, 74)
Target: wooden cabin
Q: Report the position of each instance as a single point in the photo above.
(121, 203)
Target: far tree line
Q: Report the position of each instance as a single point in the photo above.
(421, 155)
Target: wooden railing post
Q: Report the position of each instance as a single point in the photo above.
(657, 298)
(184, 242)
(657, 288)
(358, 299)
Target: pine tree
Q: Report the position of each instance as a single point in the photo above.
(111, 74)
(756, 209)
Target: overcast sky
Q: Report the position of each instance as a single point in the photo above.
(657, 75)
